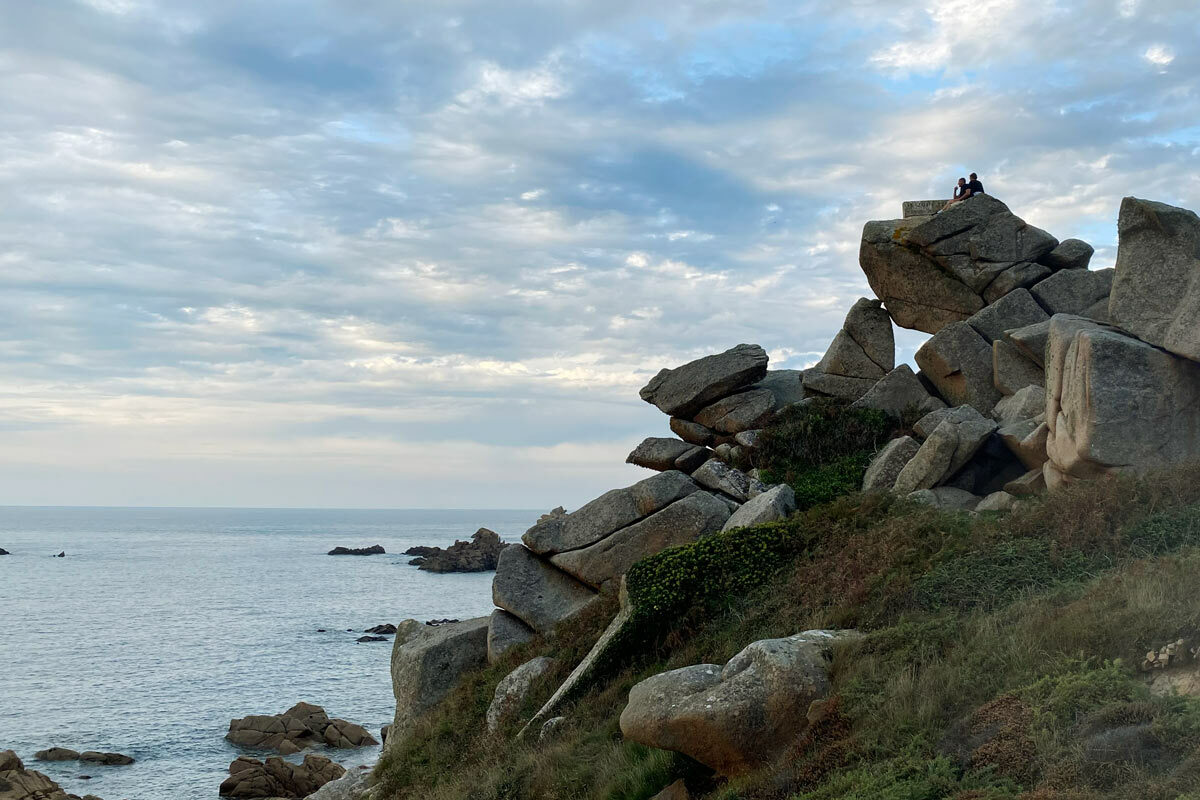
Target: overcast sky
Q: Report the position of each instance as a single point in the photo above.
(423, 254)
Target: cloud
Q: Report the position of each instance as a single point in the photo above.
(439, 247)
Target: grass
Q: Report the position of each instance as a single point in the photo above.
(1025, 627)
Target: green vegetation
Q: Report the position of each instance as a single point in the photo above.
(821, 449)
(999, 662)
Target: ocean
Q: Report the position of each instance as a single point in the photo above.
(162, 624)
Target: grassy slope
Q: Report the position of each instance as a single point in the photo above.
(1025, 625)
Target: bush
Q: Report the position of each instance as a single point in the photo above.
(821, 448)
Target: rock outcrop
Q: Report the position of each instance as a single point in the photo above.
(505, 632)
(249, 777)
(862, 352)
(303, 725)
(373, 550)
(428, 661)
(1156, 288)
(18, 783)
(934, 270)
(773, 505)
(1115, 402)
(535, 591)
(739, 716)
(480, 554)
(686, 390)
(351, 786)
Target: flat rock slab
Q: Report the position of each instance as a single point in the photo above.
(535, 591)
(1073, 291)
(1156, 288)
(658, 452)
(739, 412)
(720, 477)
(683, 391)
(608, 513)
(1013, 370)
(1015, 310)
(682, 522)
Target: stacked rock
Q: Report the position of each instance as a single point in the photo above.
(301, 726)
(1077, 373)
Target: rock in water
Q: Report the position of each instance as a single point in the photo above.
(480, 554)
(56, 754)
(428, 661)
(1156, 289)
(18, 783)
(386, 629)
(4, 552)
(373, 550)
(683, 391)
(251, 778)
(108, 759)
(299, 727)
(740, 716)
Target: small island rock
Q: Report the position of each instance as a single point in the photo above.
(373, 550)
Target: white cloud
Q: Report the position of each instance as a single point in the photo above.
(1159, 55)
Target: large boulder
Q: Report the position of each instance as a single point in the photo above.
(1013, 370)
(683, 391)
(720, 477)
(608, 513)
(935, 270)
(249, 777)
(18, 783)
(505, 631)
(658, 452)
(1015, 310)
(1113, 401)
(535, 591)
(842, 387)
(682, 522)
(787, 385)
(1074, 291)
(862, 352)
(958, 361)
(351, 786)
(950, 446)
(1031, 341)
(885, 467)
(900, 394)
(738, 412)
(513, 688)
(739, 716)
(428, 661)
(1028, 403)
(1156, 289)
(773, 505)
(947, 498)
(1070, 254)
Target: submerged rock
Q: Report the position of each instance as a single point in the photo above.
(373, 550)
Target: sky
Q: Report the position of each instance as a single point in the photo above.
(362, 253)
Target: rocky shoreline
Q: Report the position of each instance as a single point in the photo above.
(480, 554)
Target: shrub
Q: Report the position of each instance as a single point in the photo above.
(821, 448)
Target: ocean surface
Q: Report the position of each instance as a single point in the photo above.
(161, 625)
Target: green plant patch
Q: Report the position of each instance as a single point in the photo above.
(1164, 532)
(996, 573)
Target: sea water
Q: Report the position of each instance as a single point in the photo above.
(161, 625)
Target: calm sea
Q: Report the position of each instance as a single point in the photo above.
(161, 625)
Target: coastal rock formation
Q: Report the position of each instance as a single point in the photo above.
(1156, 288)
(684, 521)
(664, 453)
(18, 783)
(56, 754)
(427, 662)
(773, 505)
(949, 447)
(250, 778)
(885, 467)
(736, 717)
(301, 726)
(1115, 402)
(107, 759)
(351, 786)
(900, 394)
(685, 390)
(514, 688)
(480, 554)
(958, 361)
(862, 352)
(535, 591)
(373, 550)
(4, 552)
(934, 270)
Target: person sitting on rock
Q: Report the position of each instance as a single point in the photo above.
(974, 187)
(960, 193)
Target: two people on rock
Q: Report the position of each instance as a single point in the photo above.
(965, 189)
